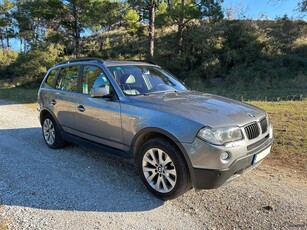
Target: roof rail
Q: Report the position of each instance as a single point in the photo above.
(79, 60)
(150, 62)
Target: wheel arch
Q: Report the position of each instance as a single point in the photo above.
(149, 133)
(44, 112)
(58, 141)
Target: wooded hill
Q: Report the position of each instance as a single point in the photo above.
(244, 55)
(190, 38)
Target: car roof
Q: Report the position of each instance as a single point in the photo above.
(110, 63)
(107, 63)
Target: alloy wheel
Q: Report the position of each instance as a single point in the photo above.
(159, 170)
(49, 131)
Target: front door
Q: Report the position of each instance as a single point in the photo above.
(98, 119)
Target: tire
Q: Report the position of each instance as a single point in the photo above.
(163, 169)
(51, 133)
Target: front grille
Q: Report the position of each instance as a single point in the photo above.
(252, 131)
(264, 125)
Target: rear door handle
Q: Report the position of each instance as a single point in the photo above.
(53, 102)
(81, 108)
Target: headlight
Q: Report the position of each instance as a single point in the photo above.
(220, 136)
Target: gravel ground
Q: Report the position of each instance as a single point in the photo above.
(78, 188)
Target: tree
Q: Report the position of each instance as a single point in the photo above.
(182, 12)
(131, 20)
(148, 10)
(106, 15)
(75, 18)
(211, 9)
(6, 22)
(35, 17)
(303, 6)
(31, 20)
(151, 30)
(141, 6)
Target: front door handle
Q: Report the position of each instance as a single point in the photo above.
(81, 108)
(53, 102)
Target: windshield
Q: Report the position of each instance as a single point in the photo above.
(136, 80)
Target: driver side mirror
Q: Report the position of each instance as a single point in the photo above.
(100, 92)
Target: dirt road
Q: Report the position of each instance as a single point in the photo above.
(78, 188)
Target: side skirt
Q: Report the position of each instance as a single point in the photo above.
(98, 147)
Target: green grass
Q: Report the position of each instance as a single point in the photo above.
(21, 95)
(289, 119)
(3, 226)
(260, 95)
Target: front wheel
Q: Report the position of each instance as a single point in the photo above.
(163, 169)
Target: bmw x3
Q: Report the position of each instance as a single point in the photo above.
(177, 138)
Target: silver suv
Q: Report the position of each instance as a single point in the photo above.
(177, 138)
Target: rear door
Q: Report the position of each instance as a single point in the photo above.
(98, 119)
(65, 96)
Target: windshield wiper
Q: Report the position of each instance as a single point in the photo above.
(163, 91)
(171, 91)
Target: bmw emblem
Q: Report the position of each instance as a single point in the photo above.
(251, 115)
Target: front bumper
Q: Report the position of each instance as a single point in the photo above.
(209, 172)
(213, 178)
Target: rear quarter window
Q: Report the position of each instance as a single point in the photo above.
(68, 79)
(51, 77)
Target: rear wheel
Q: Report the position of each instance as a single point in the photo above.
(51, 133)
(163, 169)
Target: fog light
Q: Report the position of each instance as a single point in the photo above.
(224, 156)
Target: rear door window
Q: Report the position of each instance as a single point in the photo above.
(68, 79)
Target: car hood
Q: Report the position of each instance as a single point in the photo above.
(206, 109)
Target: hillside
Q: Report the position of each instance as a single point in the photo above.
(244, 56)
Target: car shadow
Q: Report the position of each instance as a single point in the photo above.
(74, 178)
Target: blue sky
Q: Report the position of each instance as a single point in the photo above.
(270, 8)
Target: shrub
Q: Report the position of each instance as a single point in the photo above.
(31, 66)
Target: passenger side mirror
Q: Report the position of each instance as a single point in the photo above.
(100, 92)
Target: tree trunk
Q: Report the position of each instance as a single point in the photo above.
(169, 3)
(180, 38)
(20, 45)
(101, 44)
(181, 27)
(2, 42)
(76, 32)
(7, 38)
(77, 47)
(151, 36)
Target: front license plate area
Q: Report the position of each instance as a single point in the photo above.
(258, 157)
